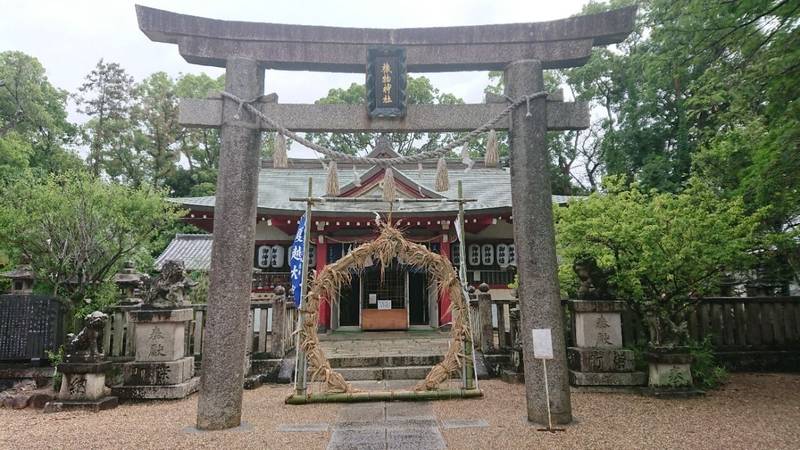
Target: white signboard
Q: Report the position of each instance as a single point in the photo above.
(373, 299)
(542, 343)
(384, 304)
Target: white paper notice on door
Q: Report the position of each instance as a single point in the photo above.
(384, 304)
(542, 343)
(373, 299)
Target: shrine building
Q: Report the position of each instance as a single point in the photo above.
(404, 300)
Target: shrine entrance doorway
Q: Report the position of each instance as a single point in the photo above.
(398, 299)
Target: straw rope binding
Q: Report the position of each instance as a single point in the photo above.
(384, 162)
(389, 245)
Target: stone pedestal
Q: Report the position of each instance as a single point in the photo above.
(83, 386)
(161, 369)
(598, 358)
(671, 372)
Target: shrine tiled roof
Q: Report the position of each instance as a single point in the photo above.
(193, 249)
(491, 187)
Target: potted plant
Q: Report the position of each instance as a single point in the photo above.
(662, 252)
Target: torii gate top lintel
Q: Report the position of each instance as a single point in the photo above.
(557, 44)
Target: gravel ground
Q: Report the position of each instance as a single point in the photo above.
(753, 411)
(164, 425)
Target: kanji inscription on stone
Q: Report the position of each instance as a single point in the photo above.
(157, 343)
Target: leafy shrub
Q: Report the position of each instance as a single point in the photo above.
(56, 358)
(706, 372)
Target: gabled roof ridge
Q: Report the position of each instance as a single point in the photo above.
(423, 190)
(428, 191)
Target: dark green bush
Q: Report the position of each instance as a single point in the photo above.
(706, 371)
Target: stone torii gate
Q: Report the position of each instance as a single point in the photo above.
(246, 49)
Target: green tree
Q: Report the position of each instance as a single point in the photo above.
(34, 131)
(106, 97)
(157, 129)
(565, 148)
(663, 250)
(77, 230)
(199, 146)
(705, 89)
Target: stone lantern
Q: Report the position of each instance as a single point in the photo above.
(129, 281)
(22, 278)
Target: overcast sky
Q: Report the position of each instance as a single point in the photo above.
(70, 36)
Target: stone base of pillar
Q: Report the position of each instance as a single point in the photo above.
(603, 367)
(161, 369)
(162, 392)
(83, 386)
(103, 404)
(598, 379)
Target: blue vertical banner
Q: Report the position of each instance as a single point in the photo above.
(296, 260)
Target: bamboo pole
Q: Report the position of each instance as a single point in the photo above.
(382, 396)
(469, 361)
(301, 362)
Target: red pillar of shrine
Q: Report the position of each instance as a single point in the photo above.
(444, 300)
(325, 306)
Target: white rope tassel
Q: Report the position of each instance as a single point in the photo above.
(280, 160)
(466, 159)
(492, 154)
(356, 177)
(389, 193)
(442, 178)
(332, 186)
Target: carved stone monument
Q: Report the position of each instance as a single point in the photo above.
(598, 358)
(83, 385)
(161, 369)
(670, 373)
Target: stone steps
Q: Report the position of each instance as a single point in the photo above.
(338, 362)
(384, 373)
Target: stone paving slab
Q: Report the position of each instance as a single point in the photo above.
(303, 427)
(387, 425)
(409, 411)
(373, 438)
(364, 412)
(415, 438)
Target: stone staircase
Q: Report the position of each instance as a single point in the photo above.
(376, 356)
(397, 367)
(396, 359)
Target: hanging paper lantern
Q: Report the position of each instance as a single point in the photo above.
(474, 255)
(502, 255)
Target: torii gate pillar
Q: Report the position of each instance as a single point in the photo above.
(534, 237)
(222, 378)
